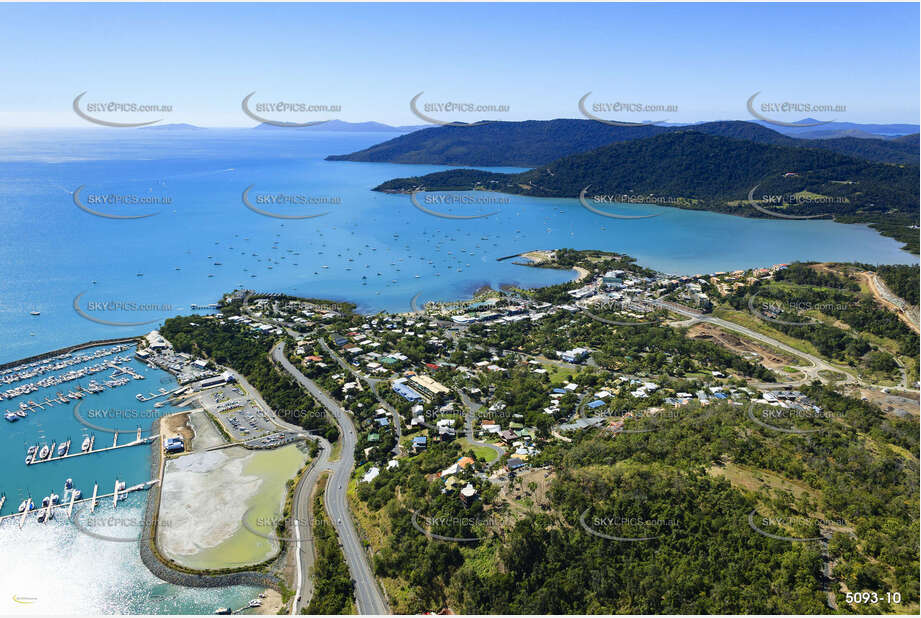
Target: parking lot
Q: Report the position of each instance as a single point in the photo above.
(241, 417)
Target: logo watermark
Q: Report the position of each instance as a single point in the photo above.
(101, 414)
(792, 414)
(273, 527)
(755, 524)
(106, 526)
(83, 202)
(457, 200)
(606, 199)
(619, 306)
(771, 200)
(478, 522)
(627, 527)
(117, 306)
(623, 107)
(454, 107)
(286, 199)
(791, 107)
(118, 107)
(285, 107)
(769, 310)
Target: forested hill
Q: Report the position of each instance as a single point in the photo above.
(539, 142)
(689, 169)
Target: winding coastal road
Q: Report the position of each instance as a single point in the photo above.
(367, 594)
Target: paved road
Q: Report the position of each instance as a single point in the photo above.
(472, 409)
(372, 384)
(367, 594)
(817, 363)
(300, 511)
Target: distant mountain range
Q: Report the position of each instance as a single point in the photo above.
(688, 168)
(343, 126)
(538, 142)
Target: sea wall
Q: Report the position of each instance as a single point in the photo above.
(73, 348)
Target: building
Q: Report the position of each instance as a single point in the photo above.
(419, 443)
(575, 355)
(401, 389)
(174, 445)
(427, 386)
(468, 494)
(224, 378)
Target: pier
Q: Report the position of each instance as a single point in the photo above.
(139, 441)
(151, 396)
(121, 493)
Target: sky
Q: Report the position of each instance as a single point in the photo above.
(705, 60)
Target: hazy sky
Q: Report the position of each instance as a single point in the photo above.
(538, 59)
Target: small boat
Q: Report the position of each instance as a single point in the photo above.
(21, 413)
(11, 417)
(223, 611)
(69, 484)
(55, 499)
(35, 313)
(86, 444)
(23, 505)
(254, 603)
(63, 448)
(44, 452)
(32, 450)
(77, 494)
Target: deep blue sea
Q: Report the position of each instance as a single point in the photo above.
(378, 250)
(88, 276)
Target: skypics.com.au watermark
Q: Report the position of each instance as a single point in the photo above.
(758, 524)
(605, 111)
(603, 200)
(288, 114)
(445, 109)
(779, 311)
(273, 204)
(449, 528)
(621, 306)
(767, 111)
(103, 414)
(627, 528)
(772, 418)
(119, 204)
(103, 112)
(439, 200)
(112, 307)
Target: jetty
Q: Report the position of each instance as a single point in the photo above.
(138, 441)
(120, 493)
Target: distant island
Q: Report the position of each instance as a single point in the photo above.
(690, 169)
(178, 126)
